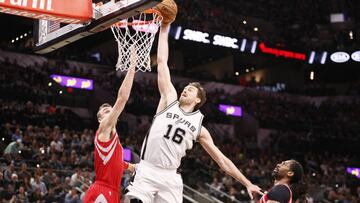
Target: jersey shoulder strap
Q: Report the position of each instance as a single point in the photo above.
(167, 108)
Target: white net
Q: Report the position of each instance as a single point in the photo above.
(136, 33)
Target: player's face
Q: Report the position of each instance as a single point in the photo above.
(103, 112)
(189, 95)
(281, 170)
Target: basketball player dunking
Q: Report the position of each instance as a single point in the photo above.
(108, 154)
(175, 126)
(287, 174)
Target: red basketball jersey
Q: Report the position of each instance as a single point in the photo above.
(265, 197)
(109, 167)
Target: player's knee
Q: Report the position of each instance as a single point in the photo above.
(135, 201)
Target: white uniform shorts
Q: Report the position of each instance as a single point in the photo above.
(155, 185)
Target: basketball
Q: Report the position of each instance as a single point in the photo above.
(168, 10)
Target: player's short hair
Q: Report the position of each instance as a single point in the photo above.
(201, 94)
(102, 106)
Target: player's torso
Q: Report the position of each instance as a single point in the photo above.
(171, 134)
(108, 158)
(265, 197)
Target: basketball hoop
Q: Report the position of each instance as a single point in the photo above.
(136, 33)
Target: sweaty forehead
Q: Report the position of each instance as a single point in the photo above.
(190, 87)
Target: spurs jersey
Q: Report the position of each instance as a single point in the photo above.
(172, 132)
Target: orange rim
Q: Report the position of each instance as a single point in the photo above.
(149, 11)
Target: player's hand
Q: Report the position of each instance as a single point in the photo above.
(132, 168)
(251, 189)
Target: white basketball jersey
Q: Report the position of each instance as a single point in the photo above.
(172, 132)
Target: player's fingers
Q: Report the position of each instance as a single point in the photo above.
(260, 191)
(250, 194)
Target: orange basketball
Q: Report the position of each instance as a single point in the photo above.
(168, 10)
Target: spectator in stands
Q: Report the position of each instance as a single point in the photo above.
(50, 197)
(37, 184)
(55, 163)
(67, 186)
(24, 173)
(217, 184)
(36, 195)
(73, 196)
(13, 150)
(7, 194)
(21, 196)
(76, 178)
(9, 171)
(49, 177)
(3, 182)
(15, 181)
(17, 135)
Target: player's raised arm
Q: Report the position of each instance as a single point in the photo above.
(166, 88)
(123, 95)
(224, 163)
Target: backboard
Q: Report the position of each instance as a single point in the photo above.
(50, 35)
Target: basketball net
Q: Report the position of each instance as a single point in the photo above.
(136, 33)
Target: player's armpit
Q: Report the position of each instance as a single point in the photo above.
(164, 103)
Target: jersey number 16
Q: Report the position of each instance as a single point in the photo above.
(178, 134)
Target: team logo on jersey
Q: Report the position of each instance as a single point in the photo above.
(180, 120)
(101, 199)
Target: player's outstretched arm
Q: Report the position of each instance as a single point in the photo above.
(224, 163)
(109, 122)
(166, 88)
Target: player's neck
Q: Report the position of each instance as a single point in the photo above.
(283, 181)
(187, 108)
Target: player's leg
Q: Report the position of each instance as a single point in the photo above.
(171, 191)
(139, 191)
(143, 188)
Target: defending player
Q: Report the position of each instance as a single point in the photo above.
(108, 154)
(287, 175)
(175, 126)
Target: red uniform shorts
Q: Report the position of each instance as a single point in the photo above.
(100, 192)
